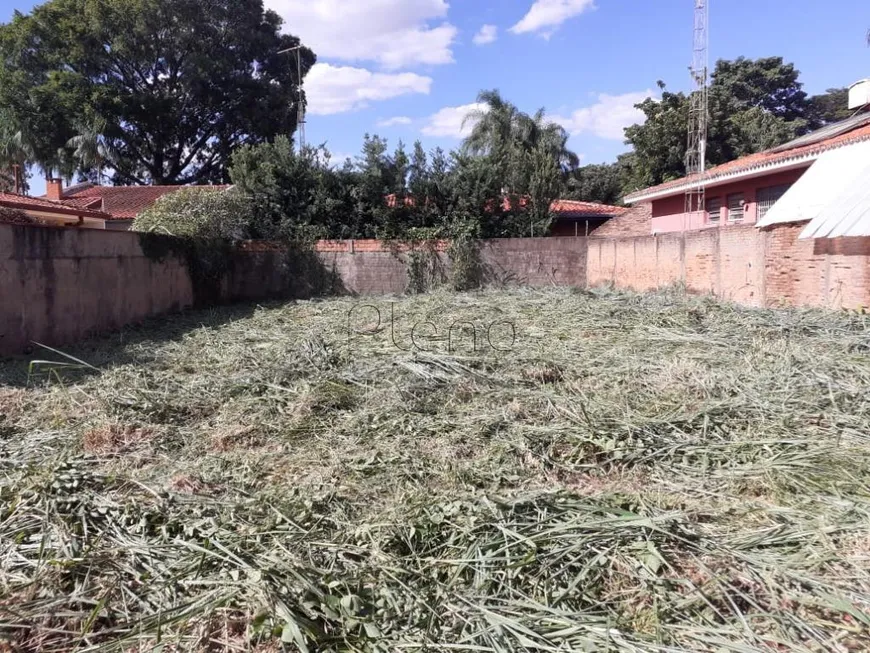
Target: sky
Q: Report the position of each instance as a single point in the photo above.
(411, 69)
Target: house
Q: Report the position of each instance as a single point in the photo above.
(122, 203)
(72, 213)
(88, 206)
(745, 190)
(574, 218)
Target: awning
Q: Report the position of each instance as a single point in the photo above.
(848, 212)
(821, 191)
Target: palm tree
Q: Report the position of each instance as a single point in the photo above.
(531, 152)
(15, 151)
(499, 132)
(92, 149)
(503, 131)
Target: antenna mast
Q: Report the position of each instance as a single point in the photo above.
(696, 155)
(300, 102)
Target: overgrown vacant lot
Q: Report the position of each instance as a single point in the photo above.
(637, 473)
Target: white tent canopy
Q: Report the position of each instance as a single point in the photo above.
(834, 194)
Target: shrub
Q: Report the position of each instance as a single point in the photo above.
(199, 212)
(15, 216)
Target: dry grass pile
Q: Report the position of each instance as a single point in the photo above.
(634, 473)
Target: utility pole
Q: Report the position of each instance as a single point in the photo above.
(696, 154)
(300, 102)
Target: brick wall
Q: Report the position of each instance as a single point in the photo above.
(537, 262)
(60, 285)
(636, 222)
(741, 264)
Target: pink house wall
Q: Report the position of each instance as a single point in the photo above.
(669, 213)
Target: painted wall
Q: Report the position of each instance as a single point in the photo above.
(669, 214)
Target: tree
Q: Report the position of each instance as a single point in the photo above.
(829, 107)
(601, 183)
(91, 149)
(768, 83)
(294, 195)
(530, 152)
(660, 143)
(545, 161)
(199, 212)
(178, 84)
(15, 154)
(755, 104)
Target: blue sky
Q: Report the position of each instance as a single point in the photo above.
(409, 69)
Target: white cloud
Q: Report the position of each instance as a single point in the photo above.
(451, 122)
(395, 122)
(338, 89)
(607, 118)
(545, 16)
(487, 34)
(395, 33)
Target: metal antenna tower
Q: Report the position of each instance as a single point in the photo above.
(300, 102)
(699, 112)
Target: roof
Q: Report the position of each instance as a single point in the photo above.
(576, 209)
(797, 153)
(124, 202)
(26, 203)
(827, 179)
(842, 182)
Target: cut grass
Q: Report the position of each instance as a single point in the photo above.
(637, 473)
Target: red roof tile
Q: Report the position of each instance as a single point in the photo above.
(576, 209)
(756, 162)
(26, 203)
(124, 202)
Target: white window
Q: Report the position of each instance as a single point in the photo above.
(735, 208)
(769, 196)
(714, 210)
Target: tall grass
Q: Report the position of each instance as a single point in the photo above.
(637, 473)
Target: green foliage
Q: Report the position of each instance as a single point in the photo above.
(294, 196)
(170, 87)
(660, 142)
(755, 104)
(466, 266)
(391, 196)
(829, 107)
(530, 154)
(601, 183)
(425, 269)
(14, 151)
(199, 212)
(15, 216)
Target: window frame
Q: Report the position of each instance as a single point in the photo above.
(763, 206)
(714, 200)
(736, 203)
